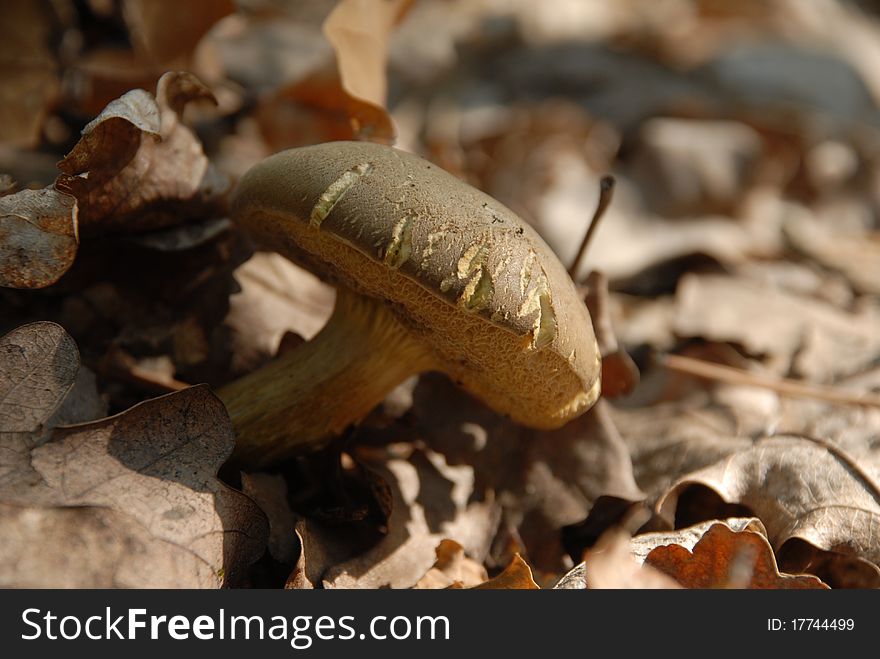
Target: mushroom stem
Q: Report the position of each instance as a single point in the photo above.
(315, 391)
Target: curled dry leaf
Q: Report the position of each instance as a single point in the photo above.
(345, 101)
(131, 500)
(725, 558)
(803, 491)
(452, 567)
(516, 576)
(38, 237)
(317, 109)
(339, 100)
(138, 167)
(298, 579)
(359, 31)
(620, 375)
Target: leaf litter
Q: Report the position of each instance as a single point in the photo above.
(741, 243)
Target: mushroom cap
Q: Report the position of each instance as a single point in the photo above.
(476, 284)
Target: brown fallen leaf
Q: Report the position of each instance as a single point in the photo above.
(359, 31)
(516, 576)
(269, 492)
(28, 71)
(316, 109)
(855, 256)
(725, 558)
(853, 428)
(298, 578)
(166, 31)
(816, 340)
(801, 489)
(688, 167)
(131, 500)
(432, 501)
(620, 375)
(7, 185)
(668, 440)
(643, 544)
(321, 550)
(39, 365)
(611, 564)
(543, 480)
(38, 237)
(340, 98)
(137, 166)
(276, 296)
(452, 567)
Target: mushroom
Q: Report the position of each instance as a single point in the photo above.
(431, 274)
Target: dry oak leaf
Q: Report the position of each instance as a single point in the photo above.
(816, 340)
(138, 167)
(803, 490)
(432, 500)
(38, 237)
(275, 297)
(133, 501)
(28, 71)
(345, 101)
(38, 369)
(725, 558)
(359, 31)
(317, 109)
(516, 576)
(269, 491)
(855, 256)
(543, 480)
(168, 31)
(687, 537)
(452, 567)
(298, 579)
(610, 563)
(669, 440)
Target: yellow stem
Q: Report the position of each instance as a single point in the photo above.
(317, 390)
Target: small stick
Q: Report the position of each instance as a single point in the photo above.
(783, 386)
(606, 194)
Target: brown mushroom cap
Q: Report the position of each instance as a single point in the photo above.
(484, 293)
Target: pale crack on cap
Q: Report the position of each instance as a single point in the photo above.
(336, 191)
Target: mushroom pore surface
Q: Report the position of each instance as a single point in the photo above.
(478, 288)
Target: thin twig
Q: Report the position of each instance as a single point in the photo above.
(792, 388)
(606, 194)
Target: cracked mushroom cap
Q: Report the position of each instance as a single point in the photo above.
(479, 288)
